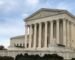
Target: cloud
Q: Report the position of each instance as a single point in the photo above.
(7, 5)
(63, 6)
(12, 13)
(1, 2)
(32, 2)
(24, 15)
(68, 5)
(10, 28)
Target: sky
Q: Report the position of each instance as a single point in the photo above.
(13, 13)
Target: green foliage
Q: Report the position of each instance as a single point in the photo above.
(2, 48)
(73, 58)
(37, 57)
(6, 58)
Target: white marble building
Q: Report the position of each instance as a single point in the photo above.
(47, 31)
(17, 41)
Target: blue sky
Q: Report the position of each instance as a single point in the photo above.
(12, 13)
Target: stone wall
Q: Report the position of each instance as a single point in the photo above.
(66, 54)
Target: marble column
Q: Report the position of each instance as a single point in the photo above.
(45, 42)
(40, 31)
(30, 35)
(57, 31)
(64, 32)
(51, 33)
(26, 36)
(68, 34)
(35, 30)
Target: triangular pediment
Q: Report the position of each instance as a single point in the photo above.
(44, 13)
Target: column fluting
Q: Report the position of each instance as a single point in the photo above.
(26, 36)
(45, 42)
(35, 30)
(30, 35)
(40, 31)
(51, 32)
(64, 32)
(57, 31)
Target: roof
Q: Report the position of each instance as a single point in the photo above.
(59, 11)
(20, 36)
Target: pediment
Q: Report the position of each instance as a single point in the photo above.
(44, 13)
(41, 14)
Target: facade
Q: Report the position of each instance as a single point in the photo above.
(47, 31)
(17, 41)
(50, 27)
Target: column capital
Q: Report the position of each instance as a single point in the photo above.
(52, 21)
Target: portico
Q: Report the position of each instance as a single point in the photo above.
(44, 34)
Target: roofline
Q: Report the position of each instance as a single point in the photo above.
(56, 10)
(56, 14)
(70, 14)
(44, 9)
(32, 14)
(15, 37)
